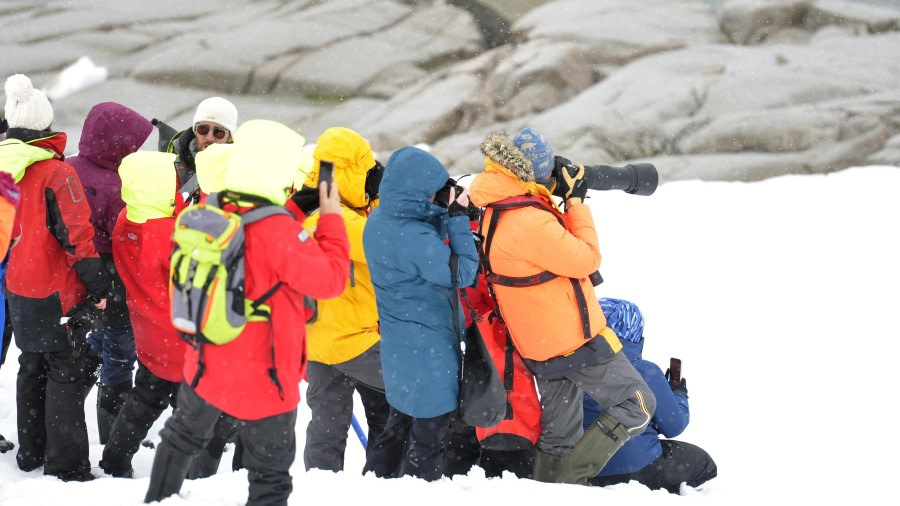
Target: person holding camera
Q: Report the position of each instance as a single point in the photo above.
(645, 458)
(539, 262)
(409, 256)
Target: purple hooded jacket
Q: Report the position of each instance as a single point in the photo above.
(111, 132)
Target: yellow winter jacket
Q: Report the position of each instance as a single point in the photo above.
(346, 326)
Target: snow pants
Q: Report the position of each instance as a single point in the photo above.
(115, 344)
(613, 382)
(50, 412)
(330, 399)
(409, 447)
(679, 463)
(269, 447)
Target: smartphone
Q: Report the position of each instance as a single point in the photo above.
(326, 172)
(675, 370)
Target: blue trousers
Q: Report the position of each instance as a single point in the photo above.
(116, 344)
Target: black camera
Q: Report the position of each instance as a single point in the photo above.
(442, 196)
(634, 178)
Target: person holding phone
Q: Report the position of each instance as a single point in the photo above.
(343, 341)
(646, 458)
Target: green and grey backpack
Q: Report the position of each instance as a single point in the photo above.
(207, 274)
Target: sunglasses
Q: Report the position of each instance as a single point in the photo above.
(218, 133)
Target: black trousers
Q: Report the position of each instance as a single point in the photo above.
(409, 446)
(462, 450)
(150, 397)
(269, 447)
(679, 463)
(50, 412)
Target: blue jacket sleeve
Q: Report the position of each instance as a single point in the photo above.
(672, 414)
(463, 244)
(433, 260)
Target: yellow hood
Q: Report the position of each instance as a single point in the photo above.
(265, 157)
(148, 185)
(211, 164)
(352, 157)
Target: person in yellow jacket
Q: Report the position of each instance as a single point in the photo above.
(539, 262)
(343, 343)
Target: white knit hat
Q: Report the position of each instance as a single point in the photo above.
(25, 106)
(218, 110)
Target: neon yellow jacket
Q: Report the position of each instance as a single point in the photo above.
(346, 326)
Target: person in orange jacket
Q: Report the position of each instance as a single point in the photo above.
(539, 261)
(9, 199)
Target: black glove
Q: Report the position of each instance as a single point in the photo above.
(474, 212)
(373, 180)
(307, 199)
(677, 386)
(5, 445)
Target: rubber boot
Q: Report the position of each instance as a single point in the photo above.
(598, 444)
(547, 468)
(110, 400)
(170, 467)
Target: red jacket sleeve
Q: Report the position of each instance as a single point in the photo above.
(69, 216)
(318, 268)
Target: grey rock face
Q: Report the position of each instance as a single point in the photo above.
(756, 89)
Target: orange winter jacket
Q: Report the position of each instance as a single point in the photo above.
(544, 320)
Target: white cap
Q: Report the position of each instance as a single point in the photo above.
(217, 110)
(25, 106)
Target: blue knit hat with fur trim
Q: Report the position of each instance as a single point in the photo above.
(538, 150)
(624, 318)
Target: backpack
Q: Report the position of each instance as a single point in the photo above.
(207, 274)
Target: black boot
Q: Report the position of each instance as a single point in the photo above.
(110, 400)
(170, 467)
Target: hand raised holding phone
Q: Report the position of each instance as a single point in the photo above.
(329, 200)
(673, 375)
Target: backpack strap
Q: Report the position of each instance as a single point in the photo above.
(493, 278)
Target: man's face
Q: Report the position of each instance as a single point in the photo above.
(208, 133)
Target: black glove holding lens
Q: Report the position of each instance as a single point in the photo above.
(570, 182)
(448, 197)
(679, 385)
(373, 180)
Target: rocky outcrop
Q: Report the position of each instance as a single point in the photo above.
(755, 89)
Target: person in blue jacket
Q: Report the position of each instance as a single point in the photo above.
(646, 458)
(409, 239)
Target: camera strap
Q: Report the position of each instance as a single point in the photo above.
(492, 278)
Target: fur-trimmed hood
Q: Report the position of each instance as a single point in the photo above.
(500, 148)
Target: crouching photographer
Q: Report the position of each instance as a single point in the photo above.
(538, 261)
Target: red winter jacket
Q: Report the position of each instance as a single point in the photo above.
(142, 252)
(236, 379)
(54, 264)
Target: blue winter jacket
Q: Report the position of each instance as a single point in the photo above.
(409, 261)
(670, 418)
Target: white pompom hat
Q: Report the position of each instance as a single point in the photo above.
(218, 110)
(25, 106)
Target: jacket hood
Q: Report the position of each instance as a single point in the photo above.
(16, 156)
(497, 183)
(211, 165)
(264, 160)
(148, 185)
(411, 177)
(633, 350)
(352, 157)
(503, 151)
(111, 132)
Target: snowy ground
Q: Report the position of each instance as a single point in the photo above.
(779, 297)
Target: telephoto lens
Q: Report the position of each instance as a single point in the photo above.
(634, 178)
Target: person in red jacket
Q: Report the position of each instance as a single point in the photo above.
(256, 377)
(141, 246)
(52, 268)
